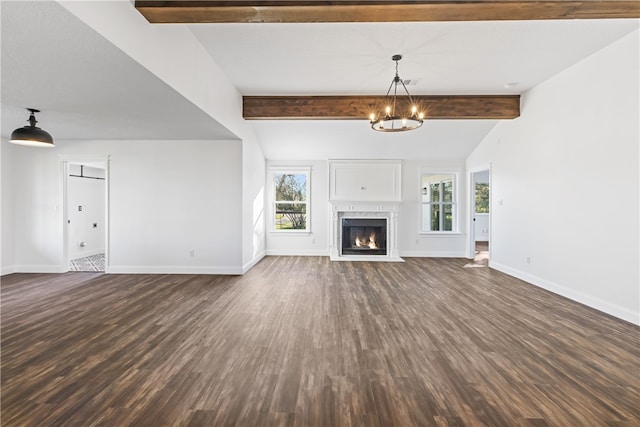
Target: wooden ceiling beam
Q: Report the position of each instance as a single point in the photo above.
(360, 107)
(309, 11)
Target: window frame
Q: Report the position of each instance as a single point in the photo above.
(455, 201)
(289, 170)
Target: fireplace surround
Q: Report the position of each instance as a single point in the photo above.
(367, 192)
(349, 221)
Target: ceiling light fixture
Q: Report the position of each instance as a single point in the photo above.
(394, 119)
(32, 135)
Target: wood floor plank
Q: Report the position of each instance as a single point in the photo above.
(303, 341)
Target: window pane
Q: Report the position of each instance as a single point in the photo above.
(435, 217)
(435, 192)
(447, 191)
(447, 222)
(290, 187)
(290, 216)
(439, 203)
(482, 197)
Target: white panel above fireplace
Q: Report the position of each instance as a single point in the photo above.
(365, 180)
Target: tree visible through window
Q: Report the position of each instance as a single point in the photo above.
(291, 201)
(482, 197)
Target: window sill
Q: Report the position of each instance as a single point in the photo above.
(441, 233)
(291, 232)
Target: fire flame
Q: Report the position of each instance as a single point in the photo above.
(362, 242)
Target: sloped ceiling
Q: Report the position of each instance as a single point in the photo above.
(88, 89)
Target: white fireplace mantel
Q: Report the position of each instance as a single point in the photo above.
(386, 210)
(364, 189)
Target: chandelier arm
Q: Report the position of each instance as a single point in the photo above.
(392, 122)
(395, 97)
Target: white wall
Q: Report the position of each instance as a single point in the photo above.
(317, 241)
(410, 241)
(83, 239)
(253, 200)
(176, 56)
(565, 181)
(167, 200)
(7, 208)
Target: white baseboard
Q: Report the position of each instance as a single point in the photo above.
(297, 252)
(588, 300)
(248, 266)
(172, 269)
(40, 269)
(7, 270)
(433, 254)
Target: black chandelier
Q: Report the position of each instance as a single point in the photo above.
(32, 135)
(393, 119)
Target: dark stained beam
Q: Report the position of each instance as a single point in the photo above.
(360, 107)
(308, 11)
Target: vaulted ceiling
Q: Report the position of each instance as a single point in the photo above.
(88, 89)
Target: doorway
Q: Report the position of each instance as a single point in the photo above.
(86, 215)
(480, 216)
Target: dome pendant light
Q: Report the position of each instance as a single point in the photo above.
(394, 119)
(32, 135)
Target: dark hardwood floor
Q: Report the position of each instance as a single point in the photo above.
(302, 341)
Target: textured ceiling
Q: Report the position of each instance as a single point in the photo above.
(89, 89)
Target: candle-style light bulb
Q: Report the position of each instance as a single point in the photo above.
(388, 109)
(414, 109)
(372, 117)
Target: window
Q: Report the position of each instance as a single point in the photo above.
(439, 202)
(482, 197)
(291, 200)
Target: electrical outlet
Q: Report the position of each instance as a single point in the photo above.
(192, 253)
(528, 260)
(313, 241)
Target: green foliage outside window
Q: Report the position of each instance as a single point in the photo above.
(482, 197)
(290, 201)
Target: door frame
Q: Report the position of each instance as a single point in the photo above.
(471, 236)
(65, 161)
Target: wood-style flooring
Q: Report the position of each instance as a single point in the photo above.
(302, 341)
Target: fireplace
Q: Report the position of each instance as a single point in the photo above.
(364, 236)
(374, 225)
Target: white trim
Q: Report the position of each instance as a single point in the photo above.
(7, 270)
(383, 210)
(432, 254)
(580, 297)
(471, 236)
(378, 166)
(174, 269)
(249, 265)
(41, 269)
(65, 160)
(456, 171)
(297, 252)
(368, 258)
(271, 170)
(292, 232)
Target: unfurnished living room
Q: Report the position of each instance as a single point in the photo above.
(320, 213)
